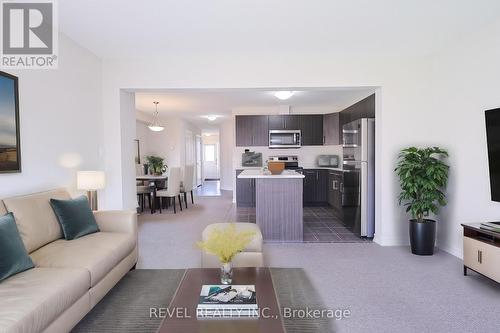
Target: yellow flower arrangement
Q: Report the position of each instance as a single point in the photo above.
(225, 243)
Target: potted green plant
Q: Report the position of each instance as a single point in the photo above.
(423, 177)
(156, 164)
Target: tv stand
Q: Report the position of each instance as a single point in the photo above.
(481, 251)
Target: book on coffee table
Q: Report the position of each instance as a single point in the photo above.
(227, 301)
(491, 226)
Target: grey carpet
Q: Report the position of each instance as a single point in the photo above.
(386, 288)
(127, 306)
(296, 292)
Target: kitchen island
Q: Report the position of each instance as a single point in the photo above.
(278, 203)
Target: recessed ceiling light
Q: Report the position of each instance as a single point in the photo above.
(211, 118)
(283, 94)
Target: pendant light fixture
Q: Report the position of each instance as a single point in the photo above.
(284, 95)
(155, 125)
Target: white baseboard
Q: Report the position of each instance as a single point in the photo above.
(454, 251)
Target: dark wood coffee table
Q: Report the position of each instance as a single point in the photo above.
(187, 295)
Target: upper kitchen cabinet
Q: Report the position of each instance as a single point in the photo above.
(252, 131)
(283, 122)
(362, 109)
(311, 126)
(331, 129)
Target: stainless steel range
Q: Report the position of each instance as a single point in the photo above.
(291, 162)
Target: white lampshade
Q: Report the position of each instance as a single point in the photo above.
(90, 180)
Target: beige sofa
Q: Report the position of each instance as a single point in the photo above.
(70, 277)
(250, 257)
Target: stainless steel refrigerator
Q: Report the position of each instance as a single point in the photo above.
(358, 190)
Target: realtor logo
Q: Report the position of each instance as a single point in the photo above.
(29, 34)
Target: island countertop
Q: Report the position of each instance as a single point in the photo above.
(261, 174)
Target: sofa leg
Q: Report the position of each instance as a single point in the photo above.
(133, 267)
(192, 199)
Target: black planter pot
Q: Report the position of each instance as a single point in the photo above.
(422, 237)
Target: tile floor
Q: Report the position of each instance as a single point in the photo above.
(320, 225)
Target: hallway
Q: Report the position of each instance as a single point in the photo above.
(209, 188)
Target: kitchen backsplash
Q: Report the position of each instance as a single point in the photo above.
(307, 154)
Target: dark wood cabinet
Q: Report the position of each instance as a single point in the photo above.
(322, 186)
(276, 122)
(245, 191)
(309, 188)
(283, 122)
(335, 185)
(315, 192)
(292, 122)
(331, 188)
(252, 131)
(331, 129)
(311, 127)
(362, 109)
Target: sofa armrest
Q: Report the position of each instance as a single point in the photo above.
(117, 221)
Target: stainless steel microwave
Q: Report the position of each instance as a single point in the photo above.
(285, 139)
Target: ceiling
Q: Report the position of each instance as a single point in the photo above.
(195, 105)
(158, 28)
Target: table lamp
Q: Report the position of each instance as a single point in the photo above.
(91, 181)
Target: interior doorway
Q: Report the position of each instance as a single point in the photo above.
(211, 167)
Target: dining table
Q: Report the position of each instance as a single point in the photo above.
(153, 179)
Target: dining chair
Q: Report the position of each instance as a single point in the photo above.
(187, 184)
(173, 188)
(143, 192)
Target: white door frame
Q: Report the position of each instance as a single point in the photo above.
(213, 173)
(199, 160)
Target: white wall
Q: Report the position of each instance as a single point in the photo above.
(417, 103)
(466, 83)
(61, 122)
(169, 143)
(226, 134)
(189, 129)
(142, 134)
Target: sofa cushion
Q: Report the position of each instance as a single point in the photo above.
(75, 217)
(3, 211)
(31, 300)
(35, 218)
(98, 253)
(13, 255)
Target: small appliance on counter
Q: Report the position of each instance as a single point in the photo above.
(331, 161)
(251, 159)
